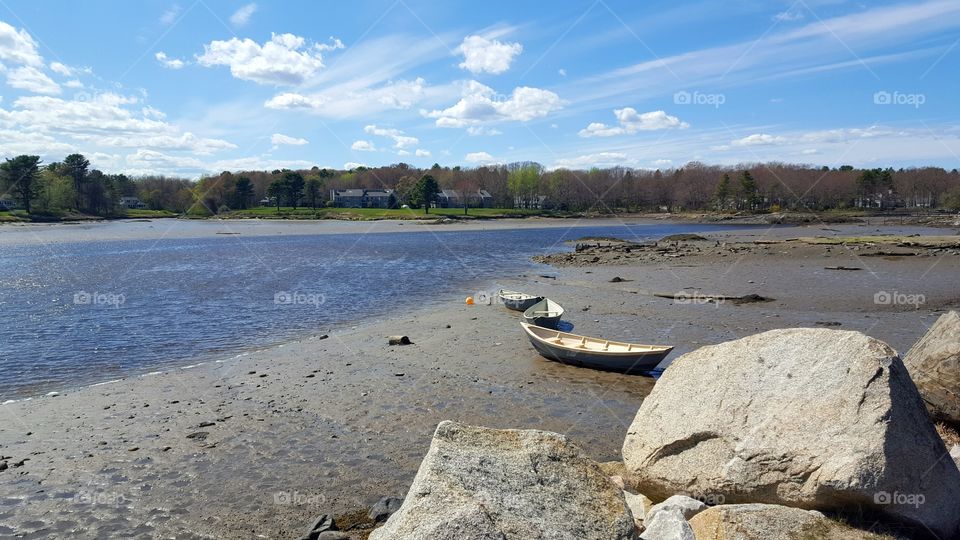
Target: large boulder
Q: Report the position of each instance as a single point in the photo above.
(479, 483)
(770, 522)
(934, 364)
(811, 418)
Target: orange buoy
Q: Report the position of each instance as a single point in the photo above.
(469, 300)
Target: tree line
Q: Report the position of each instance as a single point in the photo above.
(72, 185)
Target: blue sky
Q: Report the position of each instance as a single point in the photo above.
(189, 87)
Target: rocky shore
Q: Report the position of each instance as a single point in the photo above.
(261, 445)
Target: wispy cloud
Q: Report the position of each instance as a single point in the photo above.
(242, 16)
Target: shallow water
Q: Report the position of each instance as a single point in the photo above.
(78, 311)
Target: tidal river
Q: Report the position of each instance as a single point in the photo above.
(98, 302)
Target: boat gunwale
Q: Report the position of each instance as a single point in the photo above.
(650, 349)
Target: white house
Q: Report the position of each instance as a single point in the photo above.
(132, 203)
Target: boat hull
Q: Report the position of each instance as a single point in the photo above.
(520, 304)
(634, 364)
(545, 321)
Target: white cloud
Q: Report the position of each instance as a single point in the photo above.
(480, 104)
(352, 165)
(61, 69)
(347, 103)
(562, 72)
(279, 138)
(400, 140)
(600, 159)
(334, 44)
(170, 15)
(662, 162)
(758, 139)
(476, 131)
(32, 79)
(284, 60)
(482, 55)
(422, 153)
(363, 146)
(153, 160)
(809, 151)
(479, 158)
(73, 83)
(18, 47)
(172, 63)
(630, 122)
(242, 16)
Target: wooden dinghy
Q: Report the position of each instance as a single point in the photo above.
(545, 313)
(518, 301)
(595, 353)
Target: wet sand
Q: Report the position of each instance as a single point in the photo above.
(331, 425)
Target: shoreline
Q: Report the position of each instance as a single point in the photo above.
(261, 442)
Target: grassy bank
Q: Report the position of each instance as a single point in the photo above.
(364, 214)
(20, 216)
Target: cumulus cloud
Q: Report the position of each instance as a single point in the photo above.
(74, 83)
(480, 158)
(400, 140)
(422, 153)
(292, 100)
(476, 131)
(334, 44)
(480, 105)
(630, 122)
(284, 60)
(758, 139)
(363, 146)
(600, 159)
(482, 55)
(350, 165)
(278, 138)
(167, 62)
(61, 69)
(32, 79)
(242, 16)
(18, 47)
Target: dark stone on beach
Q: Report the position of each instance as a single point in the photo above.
(319, 526)
(751, 299)
(384, 508)
(324, 336)
(398, 340)
(4, 466)
(398, 374)
(618, 279)
(828, 323)
(684, 237)
(21, 462)
(206, 424)
(133, 449)
(199, 435)
(310, 375)
(251, 373)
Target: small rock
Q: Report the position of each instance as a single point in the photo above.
(687, 506)
(206, 424)
(320, 525)
(4, 466)
(384, 508)
(310, 376)
(398, 374)
(668, 525)
(639, 506)
(324, 336)
(133, 449)
(398, 340)
(199, 435)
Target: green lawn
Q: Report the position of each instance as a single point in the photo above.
(143, 213)
(379, 213)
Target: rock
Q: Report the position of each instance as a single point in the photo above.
(618, 279)
(333, 535)
(812, 418)
(639, 506)
(398, 340)
(199, 435)
(954, 453)
(319, 526)
(481, 483)
(934, 364)
(384, 508)
(4, 466)
(687, 506)
(770, 522)
(668, 525)
(206, 424)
